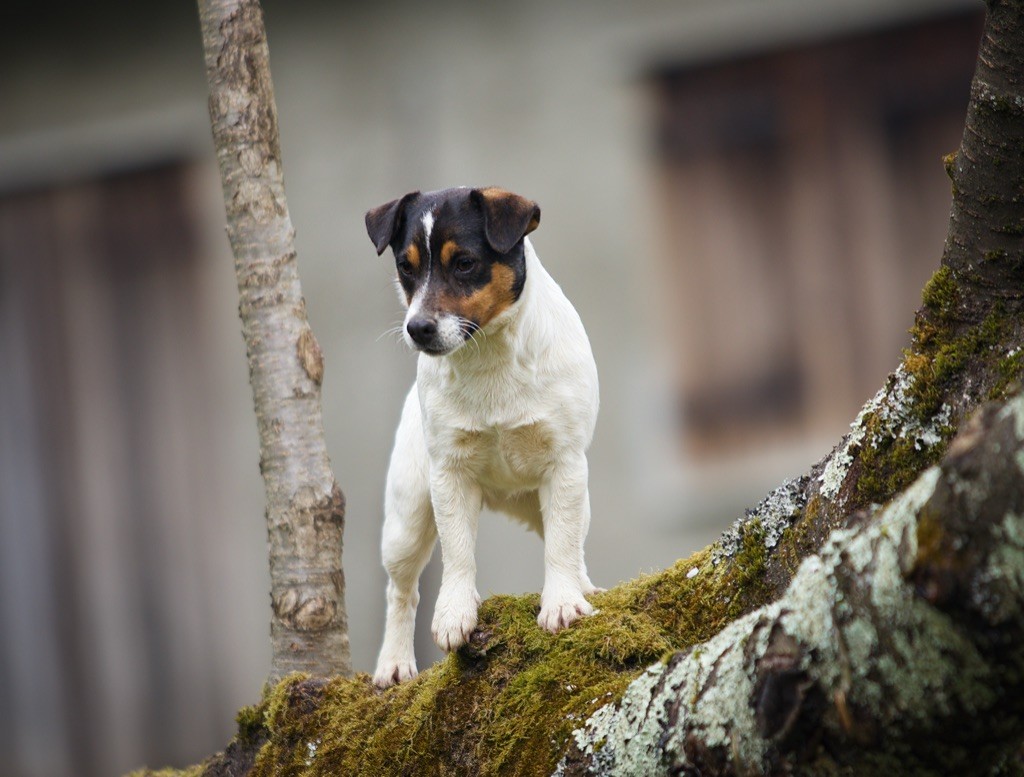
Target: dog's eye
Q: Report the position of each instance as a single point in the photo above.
(405, 267)
(465, 264)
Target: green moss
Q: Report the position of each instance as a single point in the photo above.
(1010, 371)
(192, 771)
(945, 350)
(949, 164)
(941, 295)
(890, 464)
(507, 704)
(797, 541)
(941, 356)
(250, 723)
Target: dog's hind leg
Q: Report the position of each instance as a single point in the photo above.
(523, 507)
(585, 584)
(408, 540)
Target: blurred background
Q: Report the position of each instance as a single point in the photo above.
(742, 199)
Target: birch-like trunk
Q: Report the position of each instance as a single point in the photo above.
(305, 506)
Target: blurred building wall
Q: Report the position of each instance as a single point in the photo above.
(804, 205)
(132, 574)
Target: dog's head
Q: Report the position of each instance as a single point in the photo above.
(460, 259)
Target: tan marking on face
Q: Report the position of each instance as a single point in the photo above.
(412, 254)
(485, 304)
(448, 250)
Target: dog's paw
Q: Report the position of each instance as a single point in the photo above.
(454, 620)
(393, 671)
(556, 615)
(589, 589)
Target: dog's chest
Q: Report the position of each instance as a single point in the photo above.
(506, 458)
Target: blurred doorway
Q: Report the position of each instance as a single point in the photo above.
(110, 500)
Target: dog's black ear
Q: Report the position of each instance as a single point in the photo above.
(507, 217)
(383, 221)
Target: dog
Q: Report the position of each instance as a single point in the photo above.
(501, 414)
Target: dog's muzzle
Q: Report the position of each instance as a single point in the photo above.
(422, 330)
(437, 336)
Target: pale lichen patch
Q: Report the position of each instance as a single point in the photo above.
(775, 513)
(1012, 410)
(710, 687)
(1001, 584)
(311, 748)
(614, 722)
(838, 464)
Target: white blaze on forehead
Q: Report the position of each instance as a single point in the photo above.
(428, 226)
(417, 300)
(416, 303)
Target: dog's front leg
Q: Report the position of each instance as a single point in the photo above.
(565, 505)
(457, 501)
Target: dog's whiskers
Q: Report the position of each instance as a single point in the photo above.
(398, 331)
(469, 331)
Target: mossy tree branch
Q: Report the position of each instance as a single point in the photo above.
(967, 337)
(898, 650)
(305, 506)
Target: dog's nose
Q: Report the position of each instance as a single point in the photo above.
(422, 330)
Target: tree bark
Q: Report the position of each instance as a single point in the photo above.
(898, 650)
(966, 337)
(986, 222)
(852, 691)
(305, 506)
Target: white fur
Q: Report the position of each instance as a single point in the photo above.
(503, 421)
(449, 332)
(416, 303)
(428, 227)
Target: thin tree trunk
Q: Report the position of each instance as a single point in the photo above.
(305, 506)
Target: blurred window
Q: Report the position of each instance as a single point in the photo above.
(804, 204)
(108, 465)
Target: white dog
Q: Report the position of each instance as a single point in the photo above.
(501, 414)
